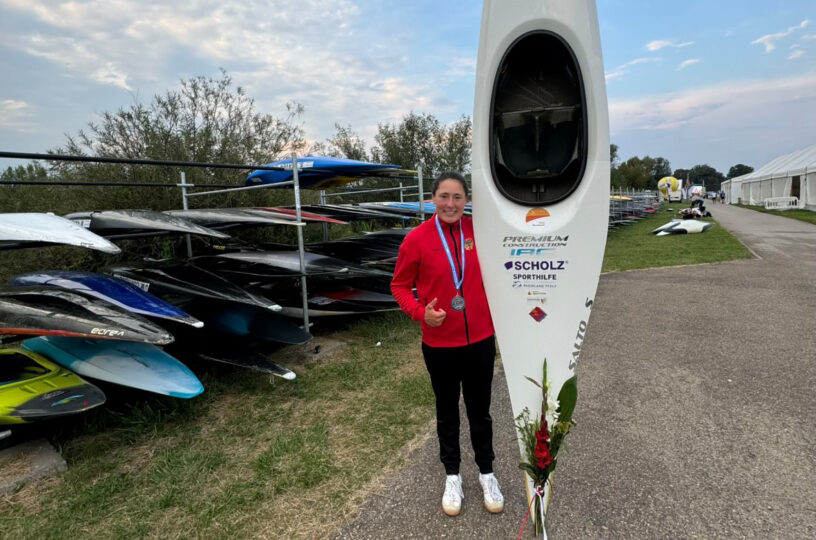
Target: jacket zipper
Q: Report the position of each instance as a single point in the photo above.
(459, 269)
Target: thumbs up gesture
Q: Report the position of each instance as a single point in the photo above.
(433, 316)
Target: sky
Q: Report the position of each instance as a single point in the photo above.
(696, 82)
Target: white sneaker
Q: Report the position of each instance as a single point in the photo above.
(493, 499)
(452, 498)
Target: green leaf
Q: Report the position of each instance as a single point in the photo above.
(567, 397)
(535, 382)
(544, 375)
(528, 468)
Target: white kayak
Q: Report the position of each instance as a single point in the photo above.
(682, 226)
(18, 230)
(540, 184)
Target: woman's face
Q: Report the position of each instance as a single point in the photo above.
(450, 200)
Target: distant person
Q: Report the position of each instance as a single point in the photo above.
(722, 196)
(439, 258)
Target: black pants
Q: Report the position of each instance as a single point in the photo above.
(471, 369)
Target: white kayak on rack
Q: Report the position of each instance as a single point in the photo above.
(21, 229)
(540, 184)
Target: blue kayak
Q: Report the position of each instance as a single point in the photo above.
(114, 290)
(322, 172)
(136, 365)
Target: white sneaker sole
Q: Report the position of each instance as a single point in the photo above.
(494, 508)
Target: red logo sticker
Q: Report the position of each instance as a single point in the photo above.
(538, 314)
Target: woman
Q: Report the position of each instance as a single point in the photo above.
(439, 258)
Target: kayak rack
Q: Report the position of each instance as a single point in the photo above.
(298, 223)
(184, 193)
(402, 189)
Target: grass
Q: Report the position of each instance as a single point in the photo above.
(263, 458)
(632, 247)
(252, 456)
(807, 216)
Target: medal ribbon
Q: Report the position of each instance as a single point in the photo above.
(457, 280)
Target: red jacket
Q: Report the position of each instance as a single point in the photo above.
(422, 262)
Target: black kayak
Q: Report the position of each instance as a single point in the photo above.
(253, 360)
(138, 223)
(344, 301)
(380, 247)
(352, 212)
(259, 265)
(247, 322)
(47, 311)
(225, 218)
(183, 283)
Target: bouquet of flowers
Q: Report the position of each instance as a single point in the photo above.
(542, 437)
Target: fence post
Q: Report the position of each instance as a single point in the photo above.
(325, 225)
(421, 194)
(301, 250)
(184, 206)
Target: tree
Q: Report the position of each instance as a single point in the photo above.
(455, 143)
(420, 138)
(13, 197)
(635, 172)
(641, 173)
(660, 168)
(616, 178)
(614, 160)
(346, 143)
(707, 176)
(25, 173)
(205, 120)
(739, 170)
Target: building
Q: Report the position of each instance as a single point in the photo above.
(791, 175)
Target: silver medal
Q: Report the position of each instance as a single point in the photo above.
(458, 303)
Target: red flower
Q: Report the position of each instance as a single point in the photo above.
(542, 452)
(542, 463)
(542, 435)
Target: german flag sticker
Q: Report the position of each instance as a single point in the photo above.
(536, 216)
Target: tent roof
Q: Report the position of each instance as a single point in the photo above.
(800, 162)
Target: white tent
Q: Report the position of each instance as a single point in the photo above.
(791, 175)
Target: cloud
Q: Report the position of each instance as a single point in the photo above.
(76, 57)
(795, 54)
(686, 63)
(768, 39)
(462, 66)
(658, 44)
(736, 122)
(323, 60)
(698, 106)
(622, 70)
(13, 113)
(12, 105)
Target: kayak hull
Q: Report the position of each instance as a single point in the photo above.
(540, 185)
(136, 365)
(34, 389)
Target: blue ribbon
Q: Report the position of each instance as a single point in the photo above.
(457, 280)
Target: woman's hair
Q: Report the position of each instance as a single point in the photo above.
(449, 175)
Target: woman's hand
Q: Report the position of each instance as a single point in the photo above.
(434, 317)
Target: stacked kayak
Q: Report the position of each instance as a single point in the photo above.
(33, 388)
